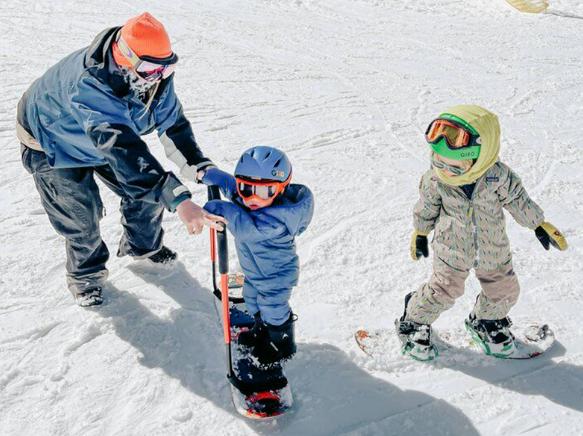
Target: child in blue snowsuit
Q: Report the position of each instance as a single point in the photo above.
(265, 214)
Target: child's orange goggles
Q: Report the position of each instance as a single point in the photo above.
(261, 191)
(455, 135)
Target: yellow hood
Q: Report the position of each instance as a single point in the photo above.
(487, 125)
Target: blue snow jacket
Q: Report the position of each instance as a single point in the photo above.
(265, 242)
(83, 114)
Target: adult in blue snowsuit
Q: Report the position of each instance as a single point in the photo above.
(265, 213)
(84, 117)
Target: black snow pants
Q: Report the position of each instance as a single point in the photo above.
(71, 199)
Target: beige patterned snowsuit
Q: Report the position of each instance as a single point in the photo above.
(471, 233)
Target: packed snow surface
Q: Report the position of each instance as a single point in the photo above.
(346, 88)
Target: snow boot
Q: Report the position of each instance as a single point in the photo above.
(91, 297)
(276, 344)
(164, 256)
(415, 337)
(250, 337)
(492, 335)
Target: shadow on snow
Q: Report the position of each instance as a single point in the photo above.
(332, 394)
(561, 383)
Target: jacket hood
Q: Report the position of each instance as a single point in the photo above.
(488, 127)
(98, 59)
(96, 55)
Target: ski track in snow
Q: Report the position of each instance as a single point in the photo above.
(346, 88)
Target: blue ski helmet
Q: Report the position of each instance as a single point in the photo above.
(264, 163)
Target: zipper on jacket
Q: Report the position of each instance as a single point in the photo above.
(474, 223)
(472, 215)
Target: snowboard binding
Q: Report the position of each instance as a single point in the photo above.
(493, 336)
(415, 337)
(416, 340)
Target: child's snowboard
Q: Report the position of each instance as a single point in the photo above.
(531, 341)
(257, 393)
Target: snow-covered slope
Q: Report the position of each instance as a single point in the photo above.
(345, 87)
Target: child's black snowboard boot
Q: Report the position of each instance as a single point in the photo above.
(415, 337)
(276, 344)
(249, 338)
(492, 335)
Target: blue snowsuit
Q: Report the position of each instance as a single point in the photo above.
(265, 242)
(81, 119)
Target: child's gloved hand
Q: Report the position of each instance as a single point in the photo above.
(419, 245)
(549, 235)
(201, 173)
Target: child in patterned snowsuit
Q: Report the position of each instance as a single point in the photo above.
(462, 202)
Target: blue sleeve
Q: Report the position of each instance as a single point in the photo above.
(106, 121)
(297, 215)
(244, 226)
(307, 211)
(225, 181)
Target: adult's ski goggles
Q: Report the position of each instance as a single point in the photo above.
(148, 68)
(453, 140)
(263, 192)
